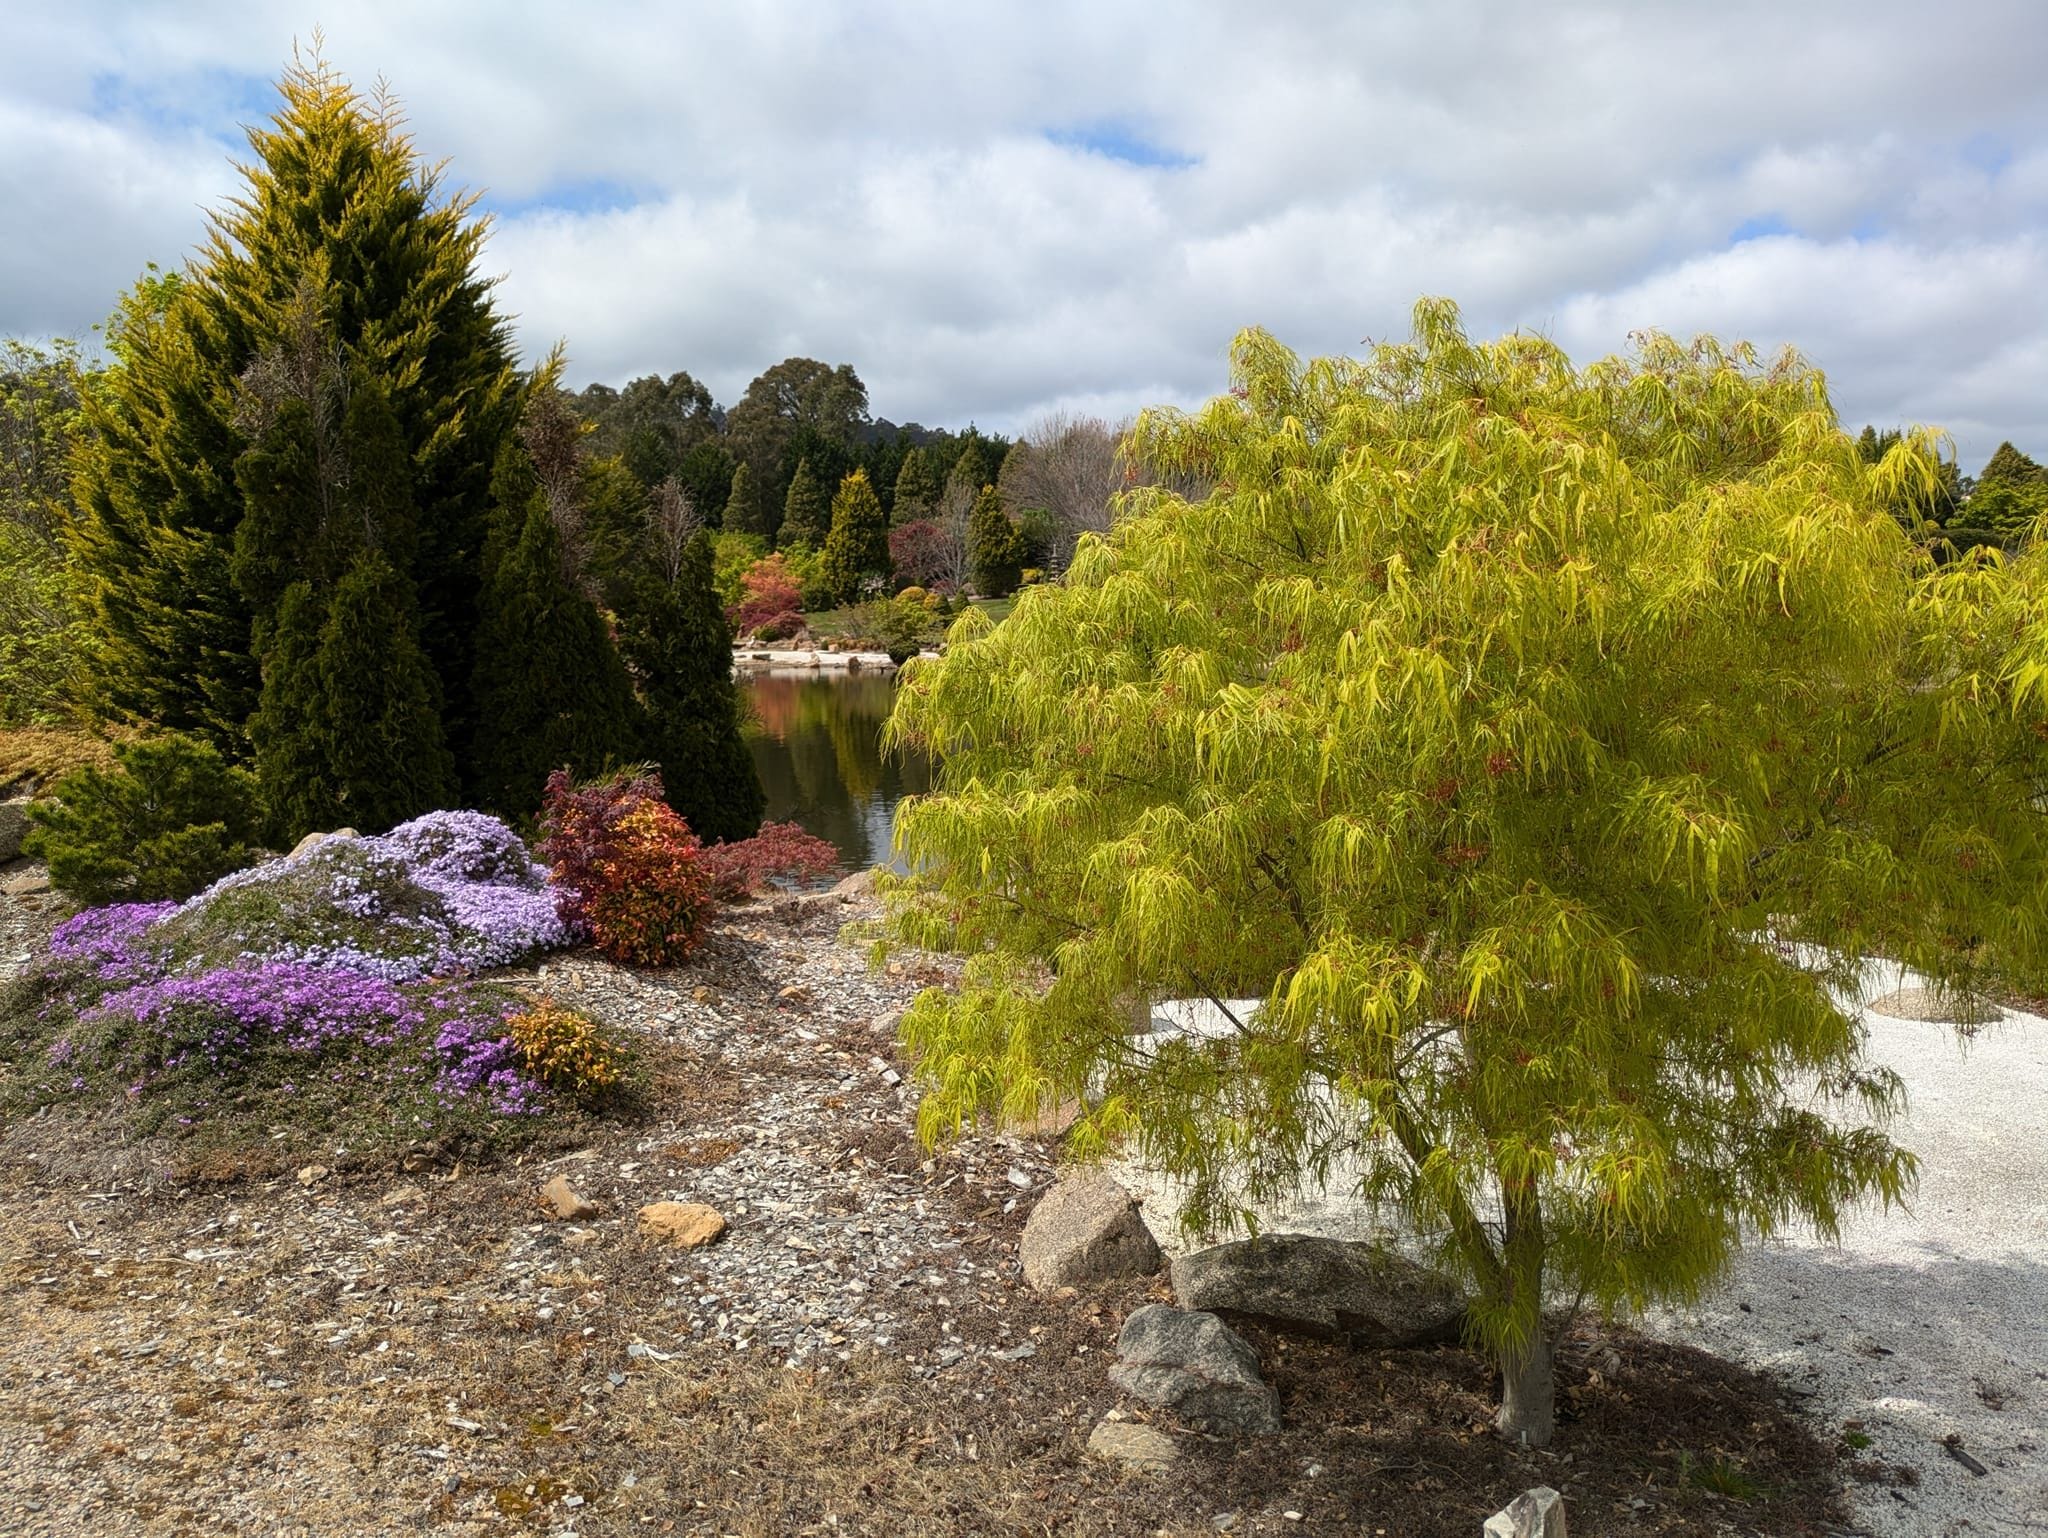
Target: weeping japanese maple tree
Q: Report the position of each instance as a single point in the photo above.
(1544, 749)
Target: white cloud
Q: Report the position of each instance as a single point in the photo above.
(879, 184)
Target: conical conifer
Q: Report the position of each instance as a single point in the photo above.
(806, 511)
(379, 707)
(917, 489)
(288, 730)
(676, 638)
(857, 550)
(549, 683)
(744, 509)
(340, 209)
(994, 547)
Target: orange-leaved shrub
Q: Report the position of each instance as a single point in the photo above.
(625, 867)
(565, 1050)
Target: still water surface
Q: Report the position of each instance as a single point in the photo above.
(817, 745)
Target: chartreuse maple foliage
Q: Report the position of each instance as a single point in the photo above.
(1497, 725)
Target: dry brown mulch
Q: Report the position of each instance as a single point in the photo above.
(409, 1351)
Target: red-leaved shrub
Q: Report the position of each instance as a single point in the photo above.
(780, 852)
(770, 589)
(779, 628)
(625, 867)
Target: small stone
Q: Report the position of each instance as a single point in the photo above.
(452, 1483)
(562, 1202)
(312, 1174)
(795, 994)
(1537, 1513)
(686, 1225)
(1018, 1178)
(1143, 1449)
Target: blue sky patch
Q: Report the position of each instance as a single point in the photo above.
(1759, 227)
(1120, 141)
(592, 196)
(213, 101)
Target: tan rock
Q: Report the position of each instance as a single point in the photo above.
(32, 882)
(1136, 1446)
(685, 1225)
(859, 884)
(315, 840)
(563, 1203)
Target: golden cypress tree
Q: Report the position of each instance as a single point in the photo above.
(344, 235)
(1479, 748)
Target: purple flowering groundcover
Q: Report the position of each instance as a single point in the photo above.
(332, 987)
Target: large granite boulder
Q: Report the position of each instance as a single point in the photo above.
(1086, 1229)
(1334, 1288)
(1196, 1366)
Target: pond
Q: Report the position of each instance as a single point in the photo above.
(816, 738)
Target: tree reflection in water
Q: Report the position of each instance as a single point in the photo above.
(817, 745)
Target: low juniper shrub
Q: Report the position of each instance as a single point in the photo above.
(169, 817)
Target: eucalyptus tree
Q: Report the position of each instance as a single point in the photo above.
(1496, 727)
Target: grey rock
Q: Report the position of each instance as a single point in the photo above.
(13, 827)
(1086, 1229)
(1537, 1513)
(1139, 1447)
(1196, 1366)
(1331, 1287)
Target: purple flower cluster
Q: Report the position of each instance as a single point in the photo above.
(305, 1008)
(333, 947)
(105, 938)
(478, 1058)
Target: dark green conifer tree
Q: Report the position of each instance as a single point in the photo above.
(2010, 496)
(342, 221)
(549, 685)
(994, 548)
(675, 636)
(379, 707)
(745, 510)
(917, 489)
(857, 549)
(288, 730)
(806, 511)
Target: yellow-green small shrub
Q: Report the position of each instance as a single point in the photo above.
(566, 1050)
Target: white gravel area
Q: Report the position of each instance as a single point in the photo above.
(1929, 1323)
(1922, 1325)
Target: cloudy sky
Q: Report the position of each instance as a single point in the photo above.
(993, 210)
